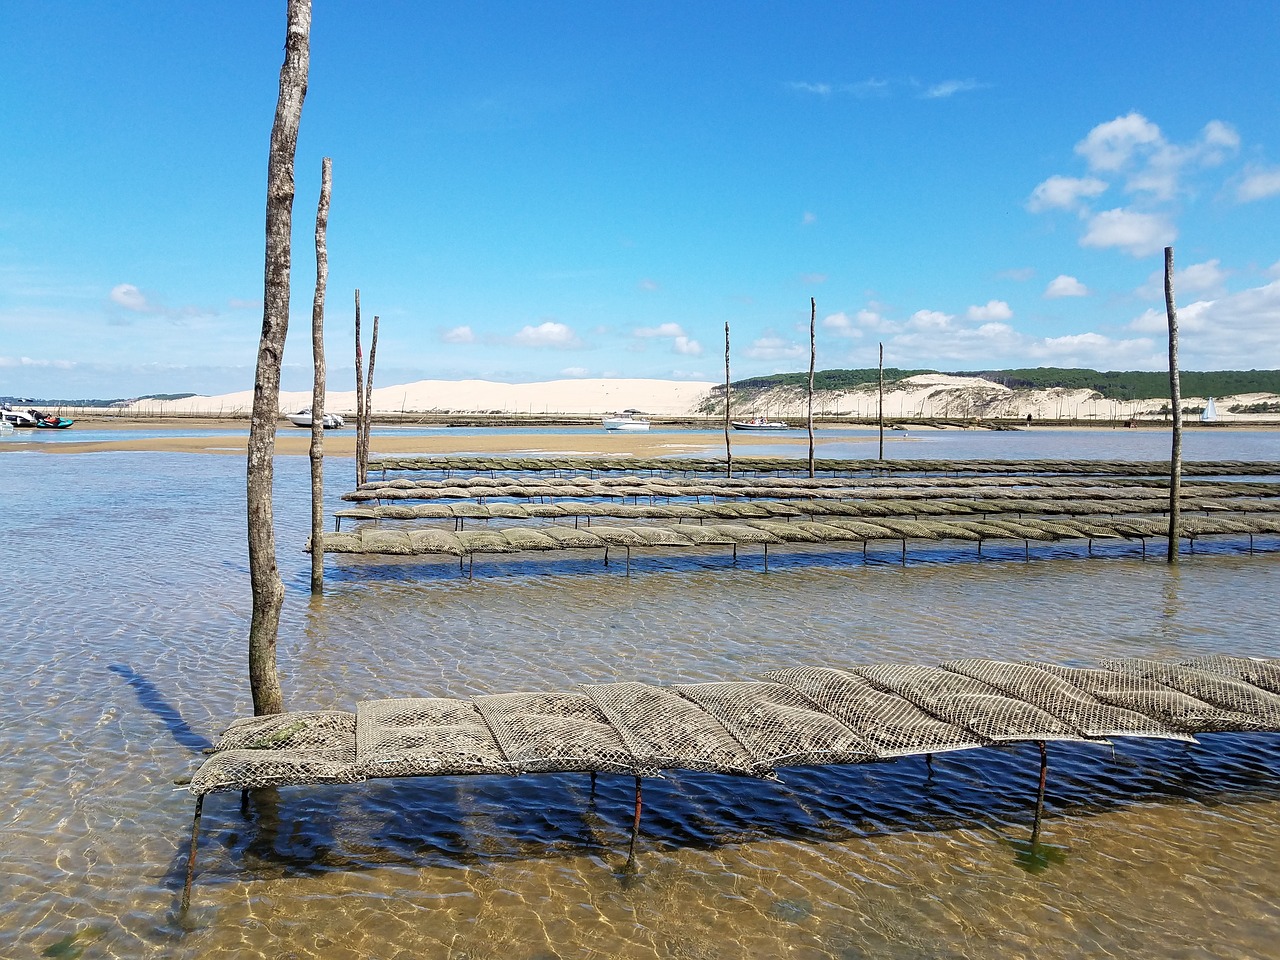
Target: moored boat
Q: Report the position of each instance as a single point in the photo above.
(760, 423)
(625, 422)
(52, 422)
(303, 419)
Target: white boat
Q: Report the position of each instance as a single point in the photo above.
(303, 419)
(760, 423)
(18, 418)
(1210, 413)
(625, 422)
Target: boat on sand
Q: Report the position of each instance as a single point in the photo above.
(760, 423)
(303, 419)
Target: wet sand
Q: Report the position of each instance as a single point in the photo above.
(231, 437)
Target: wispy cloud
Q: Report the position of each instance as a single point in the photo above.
(1258, 184)
(949, 88)
(462, 334)
(1160, 175)
(129, 297)
(775, 348)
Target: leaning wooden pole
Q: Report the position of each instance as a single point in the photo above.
(317, 386)
(359, 395)
(813, 357)
(368, 404)
(264, 576)
(1175, 401)
(728, 446)
(880, 405)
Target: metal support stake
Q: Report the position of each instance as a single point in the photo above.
(766, 558)
(191, 856)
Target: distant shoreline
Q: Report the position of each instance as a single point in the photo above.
(229, 435)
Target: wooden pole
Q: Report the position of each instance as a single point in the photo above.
(368, 403)
(191, 853)
(813, 356)
(360, 478)
(880, 406)
(317, 386)
(1175, 400)
(728, 447)
(1044, 776)
(635, 829)
(264, 575)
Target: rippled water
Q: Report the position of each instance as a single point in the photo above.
(125, 613)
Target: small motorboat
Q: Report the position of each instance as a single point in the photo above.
(303, 419)
(760, 423)
(53, 422)
(19, 418)
(625, 422)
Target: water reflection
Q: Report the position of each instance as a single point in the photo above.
(134, 597)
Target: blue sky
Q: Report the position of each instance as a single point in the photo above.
(530, 191)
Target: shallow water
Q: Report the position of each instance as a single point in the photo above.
(125, 619)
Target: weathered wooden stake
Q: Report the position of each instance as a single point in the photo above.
(317, 387)
(360, 477)
(1044, 776)
(1175, 400)
(813, 358)
(635, 828)
(881, 403)
(264, 575)
(728, 447)
(368, 402)
(191, 854)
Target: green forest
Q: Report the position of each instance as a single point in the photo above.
(1112, 385)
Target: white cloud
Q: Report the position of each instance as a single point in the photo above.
(809, 218)
(17, 362)
(689, 348)
(1019, 274)
(840, 324)
(574, 372)
(238, 303)
(1202, 278)
(1206, 279)
(459, 335)
(1238, 331)
(775, 348)
(993, 310)
(1064, 193)
(821, 89)
(1274, 270)
(648, 286)
(548, 334)
(130, 297)
(1110, 146)
(929, 320)
(663, 330)
(949, 88)
(1065, 286)
(1138, 234)
(1258, 184)
(813, 278)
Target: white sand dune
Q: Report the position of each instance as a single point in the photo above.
(926, 396)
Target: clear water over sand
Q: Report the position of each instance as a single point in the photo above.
(125, 616)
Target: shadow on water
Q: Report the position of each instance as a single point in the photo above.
(150, 697)
(452, 823)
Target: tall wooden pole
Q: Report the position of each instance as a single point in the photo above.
(368, 405)
(813, 356)
(880, 406)
(359, 394)
(264, 575)
(317, 386)
(728, 447)
(1175, 400)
